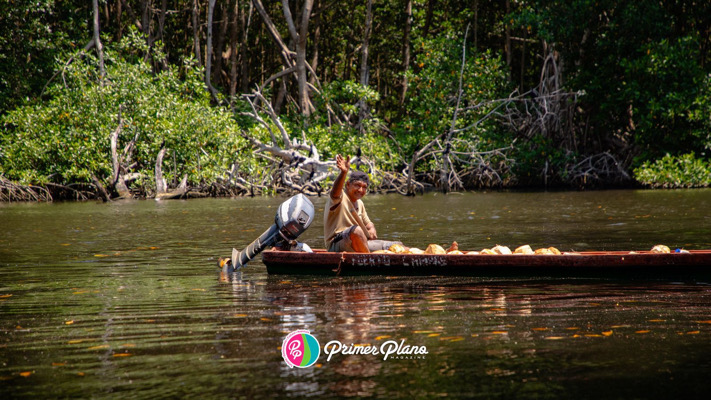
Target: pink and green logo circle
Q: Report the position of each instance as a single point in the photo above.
(300, 349)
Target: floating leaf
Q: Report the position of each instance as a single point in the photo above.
(657, 320)
(642, 331)
(452, 338)
(539, 329)
(499, 332)
(554, 337)
(239, 315)
(58, 364)
(698, 322)
(69, 322)
(5, 296)
(75, 341)
(607, 333)
(25, 373)
(101, 255)
(102, 346)
(122, 354)
(382, 337)
(693, 332)
(434, 334)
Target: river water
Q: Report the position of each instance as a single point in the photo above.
(123, 300)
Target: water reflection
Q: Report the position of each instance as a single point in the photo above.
(124, 300)
(488, 329)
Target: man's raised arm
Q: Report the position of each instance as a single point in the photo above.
(344, 165)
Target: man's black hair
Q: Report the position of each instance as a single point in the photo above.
(359, 176)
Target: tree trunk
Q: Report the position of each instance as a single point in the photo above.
(208, 55)
(245, 22)
(196, 34)
(476, 24)
(507, 45)
(428, 18)
(362, 106)
(161, 18)
(234, 30)
(274, 33)
(316, 37)
(300, 39)
(406, 50)
(97, 42)
(119, 27)
(220, 44)
(161, 185)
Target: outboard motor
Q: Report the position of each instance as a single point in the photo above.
(293, 217)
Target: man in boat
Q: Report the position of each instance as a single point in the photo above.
(347, 226)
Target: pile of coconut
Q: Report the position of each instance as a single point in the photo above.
(498, 249)
(454, 249)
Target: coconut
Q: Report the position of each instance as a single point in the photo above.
(498, 249)
(553, 250)
(454, 246)
(525, 249)
(397, 248)
(488, 251)
(543, 251)
(471, 252)
(415, 250)
(660, 248)
(383, 252)
(435, 249)
(454, 252)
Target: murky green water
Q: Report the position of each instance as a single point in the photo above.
(123, 300)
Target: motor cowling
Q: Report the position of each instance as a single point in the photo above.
(293, 217)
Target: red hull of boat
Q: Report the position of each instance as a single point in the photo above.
(695, 264)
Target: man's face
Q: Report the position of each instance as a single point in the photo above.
(356, 190)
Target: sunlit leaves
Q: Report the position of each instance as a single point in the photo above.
(66, 139)
(686, 170)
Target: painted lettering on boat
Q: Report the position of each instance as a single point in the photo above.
(385, 260)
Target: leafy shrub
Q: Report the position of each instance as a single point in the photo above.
(685, 171)
(433, 91)
(66, 139)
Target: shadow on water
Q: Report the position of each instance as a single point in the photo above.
(123, 300)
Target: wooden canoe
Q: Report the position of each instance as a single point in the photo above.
(696, 264)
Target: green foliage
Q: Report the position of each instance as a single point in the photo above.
(344, 97)
(685, 171)
(434, 87)
(641, 65)
(66, 139)
(644, 66)
(33, 33)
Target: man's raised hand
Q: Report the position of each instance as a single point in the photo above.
(343, 164)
